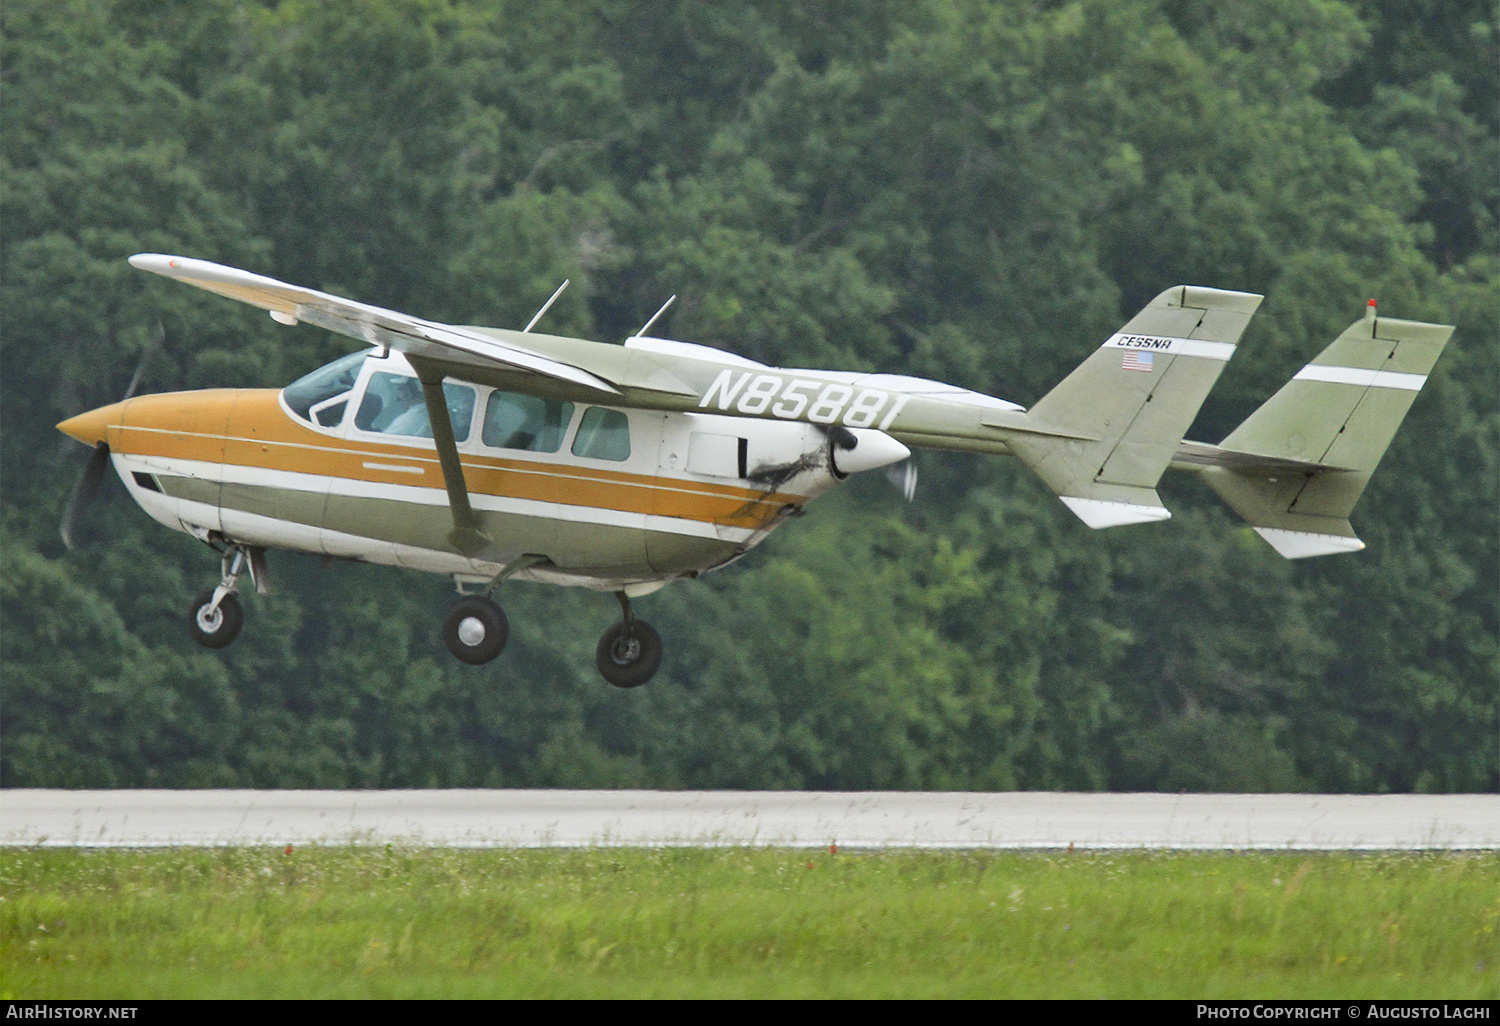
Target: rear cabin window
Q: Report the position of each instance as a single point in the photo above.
(393, 405)
(323, 395)
(603, 435)
(513, 420)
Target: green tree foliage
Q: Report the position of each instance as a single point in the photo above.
(962, 189)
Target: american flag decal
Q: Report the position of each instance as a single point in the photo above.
(1137, 360)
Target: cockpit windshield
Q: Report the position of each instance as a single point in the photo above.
(322, 396)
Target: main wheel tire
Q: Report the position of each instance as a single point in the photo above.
(627, 658)
(219, 628)
(476, 630)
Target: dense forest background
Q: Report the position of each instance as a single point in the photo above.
(972, 190)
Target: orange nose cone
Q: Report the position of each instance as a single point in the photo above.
(89, 428)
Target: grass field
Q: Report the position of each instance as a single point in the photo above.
(737, 922)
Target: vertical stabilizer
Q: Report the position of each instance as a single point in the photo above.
(1322, 435)
(1104, 435)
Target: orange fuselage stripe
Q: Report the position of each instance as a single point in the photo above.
(249, 428)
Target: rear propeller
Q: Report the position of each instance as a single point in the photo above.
(904, 476)
(900, 467)
(93, 471)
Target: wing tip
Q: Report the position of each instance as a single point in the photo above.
(161, 263)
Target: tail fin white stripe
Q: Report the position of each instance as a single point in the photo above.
(1360, 376)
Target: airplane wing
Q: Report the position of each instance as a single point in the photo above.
(414, 336)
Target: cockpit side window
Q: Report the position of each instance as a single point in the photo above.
(513, 420)
(393, 405)
(321, 397)
(603, 435)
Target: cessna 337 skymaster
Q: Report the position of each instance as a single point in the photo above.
(486, 453)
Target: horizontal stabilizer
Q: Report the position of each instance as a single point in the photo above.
(1102, 513)
(1102, 438)
(1297, 465)
(1300, 544)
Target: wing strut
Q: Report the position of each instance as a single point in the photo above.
(466, 536)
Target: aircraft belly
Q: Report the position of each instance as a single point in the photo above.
(678, 544)
(413, 535)
(276, 533)
(579, 538)
(289, 504)
(674, 554)
(389, 520)
(409, 527)
(601, 550)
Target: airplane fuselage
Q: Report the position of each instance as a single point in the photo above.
(609, 498)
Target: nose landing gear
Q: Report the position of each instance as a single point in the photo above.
(215, 618)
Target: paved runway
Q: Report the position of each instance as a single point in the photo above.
(762, 818)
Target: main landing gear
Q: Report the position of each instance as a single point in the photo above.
(628, 656)
(475, 631)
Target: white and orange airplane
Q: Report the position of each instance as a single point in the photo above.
(487, 453)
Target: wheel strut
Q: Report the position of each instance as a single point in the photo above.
(215, 618)
(233, 563)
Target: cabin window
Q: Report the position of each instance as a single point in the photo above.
(393, 405)
(330, 412)
(603, 435)
(513, 420)
(323, 395)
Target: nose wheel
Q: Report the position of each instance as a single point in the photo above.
(214, 626)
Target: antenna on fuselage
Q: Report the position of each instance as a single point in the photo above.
(647, 326)
(546, 306)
